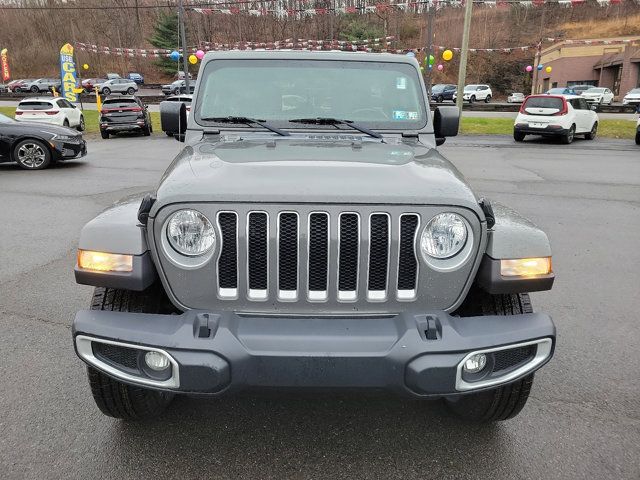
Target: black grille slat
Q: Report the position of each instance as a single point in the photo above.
(506, 359)
(407, 262)
(257, 251)
(228, 261)
(318, 251)
(378, 252)
(288, 252)
(123, 356)
(348, 258)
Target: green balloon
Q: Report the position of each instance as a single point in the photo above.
(432, 60)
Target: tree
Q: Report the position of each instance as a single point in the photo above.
(166, 35)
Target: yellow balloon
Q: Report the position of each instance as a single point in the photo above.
(548, 69)
(193, 59)
(447, 55)
(85, 66)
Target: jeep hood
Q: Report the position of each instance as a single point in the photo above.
(306, 170)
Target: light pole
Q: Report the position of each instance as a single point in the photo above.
(183, 38)
(464, 53)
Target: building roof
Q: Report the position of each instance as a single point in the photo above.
(591, 41)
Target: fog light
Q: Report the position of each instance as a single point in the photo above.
(104, 262)
(156, 361)
(525, 267)
(475, 363)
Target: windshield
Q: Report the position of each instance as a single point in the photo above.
(438, 88)
(635, 91)
(470, 88)
(378, 95)
(595, 90)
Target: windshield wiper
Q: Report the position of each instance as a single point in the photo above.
(335, 122)
(246, 121)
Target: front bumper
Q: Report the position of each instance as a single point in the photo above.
(214, 353)
(67, 150)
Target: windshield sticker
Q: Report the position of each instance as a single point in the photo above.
(403, 115)
(401, 83)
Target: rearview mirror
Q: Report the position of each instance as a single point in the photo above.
(446, 121)
(173, 118)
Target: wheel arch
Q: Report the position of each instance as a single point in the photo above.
(29, 137)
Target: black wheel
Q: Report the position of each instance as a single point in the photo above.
(65, 123)
(487, 99)
(568, 137)
(592, 134)
(518, 136)
(131, 91)
(34, 89)
(638, 138)
(169, 134)
(472, 99)
(81, 126)
(106, 91)
(439, 99)
(506, 401)
(114, 398)
(104, 135)
(32, 154)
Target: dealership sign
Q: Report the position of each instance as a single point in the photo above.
(68, 73)
(4, 64)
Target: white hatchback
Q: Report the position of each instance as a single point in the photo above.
(55, 111)
(563, 116)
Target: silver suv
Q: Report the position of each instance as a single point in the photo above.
(118, 85)
(42, 85)
(321, 242)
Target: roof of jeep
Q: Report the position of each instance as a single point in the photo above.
(309, 55)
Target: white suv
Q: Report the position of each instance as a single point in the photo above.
(563, 116)
(473, 93)
(602, 96)
(55, 111)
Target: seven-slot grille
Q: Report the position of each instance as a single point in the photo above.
(357, 262)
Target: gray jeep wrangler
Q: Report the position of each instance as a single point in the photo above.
(310, 235)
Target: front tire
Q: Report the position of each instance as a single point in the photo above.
(440, 99)
(114, 398)
(472, 99)
(32, 154)
(131, 91)
(487, 99)
(34, 89)
(507, 401)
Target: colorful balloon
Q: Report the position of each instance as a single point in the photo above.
(548, 69)
(193, 59)
(447, 55)
(199, 54)
(175, 56)
(440, 67)
(85, 66)
(540, 67)
(432, 59)
(529, 68)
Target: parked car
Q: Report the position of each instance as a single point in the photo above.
(13, 84)
(112, 76)
(52, 110)
(89, 83)
(36, 146)
(178, 87)
(473, 93)
(126, 114)
(184, 98)
(363, 265)
(599, 95)
(3, 88)
(561, 91)
(563, 116)
(580, 89)
(632, 97)
(136, 77)
(42, 85)
(515, 98)
(441, 92)
(180, 75)
(20, 86)
(117, 85)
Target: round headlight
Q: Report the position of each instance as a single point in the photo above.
(444, 236)
(190, 233)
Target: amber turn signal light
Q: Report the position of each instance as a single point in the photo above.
(525, 267)
(104, 262)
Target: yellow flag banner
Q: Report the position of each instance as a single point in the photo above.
(68, 73)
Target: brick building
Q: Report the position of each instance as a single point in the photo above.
(611, 62)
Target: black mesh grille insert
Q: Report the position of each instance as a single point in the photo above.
(126, 357)
(379, 252)
(506, 359)
(288, 252)
(258, 251)
(318, 251)
(228, 262)
(348, 261)
(408, 265)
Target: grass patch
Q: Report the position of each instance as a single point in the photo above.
(91, 119)
(504, 126)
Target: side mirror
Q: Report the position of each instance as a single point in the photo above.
(594, 108)
(446, 121)
(173, 118)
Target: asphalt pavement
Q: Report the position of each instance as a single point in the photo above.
(582, 420)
